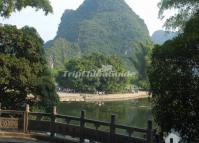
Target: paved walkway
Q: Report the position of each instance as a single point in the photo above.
(17, 137)
(13, 140)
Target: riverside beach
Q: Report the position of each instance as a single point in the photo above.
(80, 97)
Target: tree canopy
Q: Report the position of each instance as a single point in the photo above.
(185, 10)
(23, 68)
(9, 6)
(93, 73)
(174, 78)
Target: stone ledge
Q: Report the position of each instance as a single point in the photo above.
(15, 137)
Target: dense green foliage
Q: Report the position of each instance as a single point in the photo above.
(185, 9)
(174, 78)
(104, 26)
(99, 78)
(23, 69)
(9, 6)
(65, 50)
(160, 36)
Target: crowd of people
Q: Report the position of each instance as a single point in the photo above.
(68, 90)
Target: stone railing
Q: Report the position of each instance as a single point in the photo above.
(80, 128)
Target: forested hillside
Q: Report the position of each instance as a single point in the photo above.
(104, 26)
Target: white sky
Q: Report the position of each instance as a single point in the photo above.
(47, 25)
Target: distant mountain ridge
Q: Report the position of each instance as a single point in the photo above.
(160, 36)
(104, 26)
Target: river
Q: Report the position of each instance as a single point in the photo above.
(134, 113)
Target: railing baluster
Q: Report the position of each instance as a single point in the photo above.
(67, 120)
(53, 120)
(149, 132)
(158, 139)
(130, 132)
(97, 125)
(82, 126)
(26, 118)
(0, 109)
(0, 115)
(112, 129)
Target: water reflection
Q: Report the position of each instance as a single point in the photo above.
(132, 113)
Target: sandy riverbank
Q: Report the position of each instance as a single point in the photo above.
(78, 97)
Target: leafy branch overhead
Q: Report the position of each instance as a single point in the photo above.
(9, 6)
(186, 9)
(174, 74)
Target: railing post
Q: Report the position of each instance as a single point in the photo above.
(53, 120)
(171, 140)
(27, 110)
(0, 115)
(157, 138)
(0, 109)
(82, 126)
(112, 129)
(149, 132)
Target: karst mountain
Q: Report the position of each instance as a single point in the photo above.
(110, 27)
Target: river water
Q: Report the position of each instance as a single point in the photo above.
(133, 113)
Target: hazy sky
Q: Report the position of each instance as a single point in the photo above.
(47, 25)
